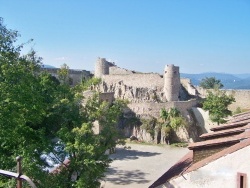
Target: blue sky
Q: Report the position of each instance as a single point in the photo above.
(142, 35)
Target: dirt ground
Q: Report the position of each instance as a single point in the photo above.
(140, 165)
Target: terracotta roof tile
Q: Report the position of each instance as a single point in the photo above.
(185, 164)
(218, 141)
(241, 114)
(225, 132)
(230, 125)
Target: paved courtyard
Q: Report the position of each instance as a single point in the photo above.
(140, 165)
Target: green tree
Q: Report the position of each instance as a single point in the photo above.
(217, 103)
(43, 120)
(63, 74)
(21, 105)
(86, 84)
(211, 83)
(149, 125)
(172, 120)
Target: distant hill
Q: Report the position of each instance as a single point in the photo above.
(230, 81)
(48, 66)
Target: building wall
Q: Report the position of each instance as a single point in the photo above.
(219, 173)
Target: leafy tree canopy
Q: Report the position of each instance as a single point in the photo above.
(43, 120)
(172, 120)
(211, 83)
(217, 103)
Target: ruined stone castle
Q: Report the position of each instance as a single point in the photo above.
(147, 93)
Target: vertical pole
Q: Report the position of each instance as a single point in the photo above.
(19, 171)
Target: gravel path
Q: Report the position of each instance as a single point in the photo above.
(140, 165)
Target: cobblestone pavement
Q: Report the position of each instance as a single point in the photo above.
(140, 165)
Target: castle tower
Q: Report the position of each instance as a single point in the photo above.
(101, 67)
(172, 83)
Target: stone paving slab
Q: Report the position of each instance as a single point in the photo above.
(140, 165)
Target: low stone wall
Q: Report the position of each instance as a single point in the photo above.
(242, 98)
(184, 106)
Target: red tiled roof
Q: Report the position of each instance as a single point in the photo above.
(236, 121)
(185, 164)
(230, 125)
(225, 132)
(218, 141)
(242, 140)
(240, 115)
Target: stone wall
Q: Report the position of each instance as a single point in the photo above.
(108, 97)
(186, 83)
(119, 71)
(135, 87)
(242, 97)
(149, 80)
(202, 119)
(150, 109)
(76, 76)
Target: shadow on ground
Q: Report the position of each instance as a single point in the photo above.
(122, 177)
(123, 154)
